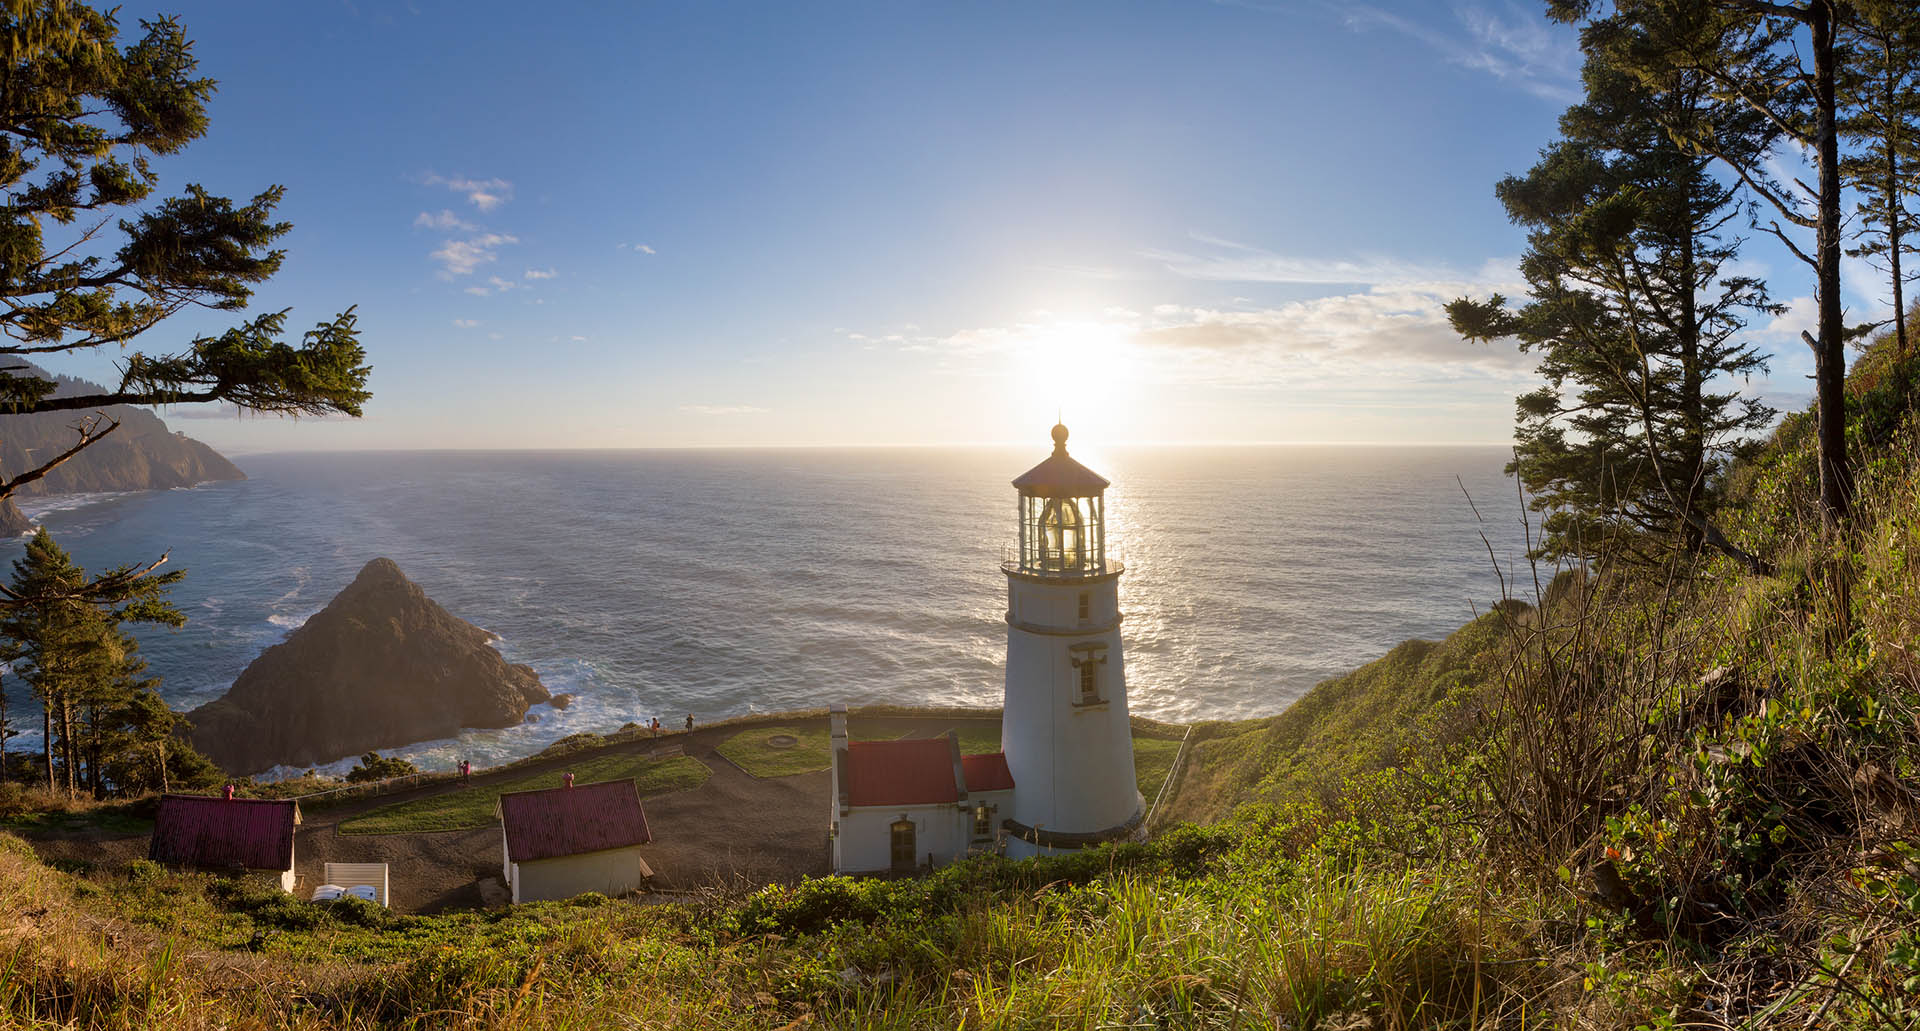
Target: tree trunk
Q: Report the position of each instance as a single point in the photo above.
(1693, 448)
(1896, 210)
(46, 736)
(1830, 353)
(70, 754)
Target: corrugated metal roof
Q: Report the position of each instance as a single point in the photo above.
(221, 833)
(566, 821)
(917, 771)
(987, 772)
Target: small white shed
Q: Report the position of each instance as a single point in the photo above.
(561, 842)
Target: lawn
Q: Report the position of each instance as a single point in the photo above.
(474, 807)
(749, 750)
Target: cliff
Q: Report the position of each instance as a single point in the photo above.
(143, 454)
(382, 665)
(13, 522)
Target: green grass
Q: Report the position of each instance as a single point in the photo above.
(749, 750)
(1152, 758)
(474, 807)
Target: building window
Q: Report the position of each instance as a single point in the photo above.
(982, 821)
(1084, 606)
(1089, 682)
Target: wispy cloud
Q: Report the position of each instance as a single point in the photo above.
(466, 323)
(537, 273)
(462, 257)
(445, 221)
(640, 248)
(723, 409)
(485, 194)
(1228, 261)
(1515, 45)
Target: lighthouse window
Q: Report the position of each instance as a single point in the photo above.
(1083, 606)
(1089, 682)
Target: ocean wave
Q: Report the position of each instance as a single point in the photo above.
(35, 507)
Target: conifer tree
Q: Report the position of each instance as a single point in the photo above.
(1753, 53)
(92, 257)
(69, 649)
(1635, 319)
(1881, 96)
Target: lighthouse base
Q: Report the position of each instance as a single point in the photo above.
(1024, 842)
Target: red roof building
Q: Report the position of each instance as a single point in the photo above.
(909, 804)
(225, 834)
(568, 821)
(987, 772)
(911, 772)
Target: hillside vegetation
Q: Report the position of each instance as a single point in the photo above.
(1668, 796)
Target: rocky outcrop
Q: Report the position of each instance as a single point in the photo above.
(382, 665)
(13, 522)
(143, 454)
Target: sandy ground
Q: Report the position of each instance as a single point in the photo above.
(734, 830)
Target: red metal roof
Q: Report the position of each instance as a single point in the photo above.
(220, 833)
(1060, 476)
(565, 821)
(917, 771)
(987, 772)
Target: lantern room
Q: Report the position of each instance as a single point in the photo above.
(1062, 517)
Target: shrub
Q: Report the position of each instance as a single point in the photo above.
(374, 766)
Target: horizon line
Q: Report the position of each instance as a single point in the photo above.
(872, 446)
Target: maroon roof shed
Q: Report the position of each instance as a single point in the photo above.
(224, 833)
(568, 821)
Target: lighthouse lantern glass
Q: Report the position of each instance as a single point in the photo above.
(1062, 536)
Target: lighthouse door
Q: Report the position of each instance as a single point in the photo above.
(903, 846)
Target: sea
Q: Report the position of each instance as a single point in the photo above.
(717, 583)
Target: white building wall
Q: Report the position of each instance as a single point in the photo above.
(1072, 764)
(614, 871)
(864, 843)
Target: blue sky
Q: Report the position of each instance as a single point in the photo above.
(889, 223)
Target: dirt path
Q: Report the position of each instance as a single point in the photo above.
(734, 829)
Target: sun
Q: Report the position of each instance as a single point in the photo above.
(1084, 372)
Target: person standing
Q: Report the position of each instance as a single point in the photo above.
(689, 721)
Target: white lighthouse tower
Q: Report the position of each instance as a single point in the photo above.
(1068, 744)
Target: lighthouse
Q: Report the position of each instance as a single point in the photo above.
(1065, 732)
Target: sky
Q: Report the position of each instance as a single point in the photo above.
(890, 223)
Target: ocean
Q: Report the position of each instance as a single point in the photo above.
(723, 582)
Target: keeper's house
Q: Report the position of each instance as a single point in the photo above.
(567, 841)
(226, 835)
(900, 806)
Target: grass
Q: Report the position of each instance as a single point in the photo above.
(1152, 758)
(474, 807)
(749, 750)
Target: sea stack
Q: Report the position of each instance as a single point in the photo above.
(381, 666)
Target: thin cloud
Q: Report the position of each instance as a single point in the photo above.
(462, 257)
(535, 273)
(723, 409)
(1516, 47)
(466, 323)
(485, 194)
(1239, 263)
(637, 247)
(445, 221)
